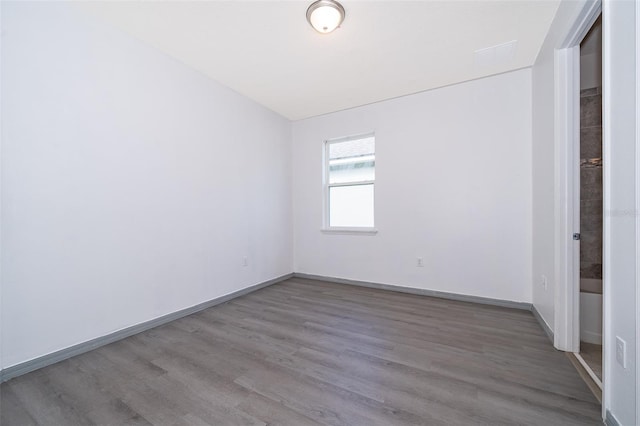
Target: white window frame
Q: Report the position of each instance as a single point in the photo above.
(326, 228)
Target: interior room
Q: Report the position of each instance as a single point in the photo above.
(319, 213)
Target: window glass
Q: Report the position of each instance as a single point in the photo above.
(351, 206)
(352, 161)
(350, 166)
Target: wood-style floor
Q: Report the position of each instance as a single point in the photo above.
(307, 352)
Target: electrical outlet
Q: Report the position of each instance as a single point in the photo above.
(621, 352)
(544, 282)
(420, 262)
(245, 261)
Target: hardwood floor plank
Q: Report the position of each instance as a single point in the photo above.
(324, 402)
(53, 407)
(12, 410)
(273, 412)
(100, 406)
(306, 352)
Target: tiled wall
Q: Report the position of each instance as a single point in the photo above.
(591, 183)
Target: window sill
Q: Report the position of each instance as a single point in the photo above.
(350, 231)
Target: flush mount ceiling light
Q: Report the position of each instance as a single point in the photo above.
(325, 15)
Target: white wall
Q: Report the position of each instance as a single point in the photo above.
(544, 186)
(1, 185)
(622, 220)
(132, 186)
(621, 145)
(453, 185)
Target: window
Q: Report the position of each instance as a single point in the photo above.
(349, 183)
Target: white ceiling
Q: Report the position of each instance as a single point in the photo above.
(267, 51)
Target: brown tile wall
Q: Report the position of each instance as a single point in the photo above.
(591, 183)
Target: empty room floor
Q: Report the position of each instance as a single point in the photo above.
(306, 352)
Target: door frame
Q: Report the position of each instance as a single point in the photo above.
(637, 217)
(567, 178)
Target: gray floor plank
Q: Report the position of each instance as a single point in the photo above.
(306, 352)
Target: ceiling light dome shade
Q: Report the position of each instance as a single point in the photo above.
(325, 15)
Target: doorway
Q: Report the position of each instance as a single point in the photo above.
(590, 203)
(571, 261)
